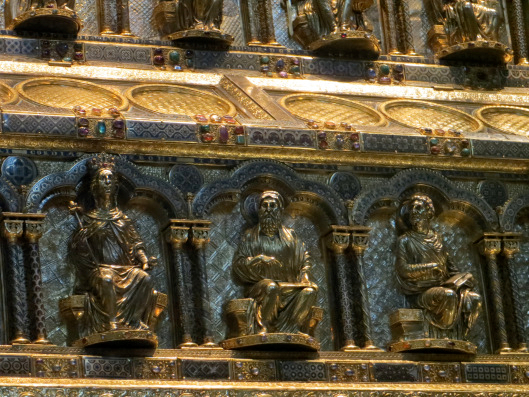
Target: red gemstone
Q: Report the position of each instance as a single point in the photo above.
(239, 130)
(355, 137)
(435, 149)
(323, 145)
(201, 118)
(119, 133)
(208, 138)
(344, 35)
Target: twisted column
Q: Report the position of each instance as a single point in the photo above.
(490, 247)
(359, 241)
(33, 233)
(511, 246)
(13, 229)
(338, 242)
(200, 239)
(176, 235)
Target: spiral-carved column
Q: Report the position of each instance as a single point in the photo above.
(338, 241)
(33, 233)
(13, 230)
(200, 239)
(511, 246)
(177, 235)
(359, 241)
(490, 247)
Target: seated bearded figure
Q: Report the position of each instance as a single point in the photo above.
(273, 265)
(429, 278)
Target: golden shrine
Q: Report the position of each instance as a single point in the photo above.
(222, 198)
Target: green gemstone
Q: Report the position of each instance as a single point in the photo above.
(204, 128)
(384, 69)
(295, 69)
(101, 127)
(434, 141)
(189, 63)
(270, 74)
(240, 139)
(174, 56)
(265, 60)
(465, 152)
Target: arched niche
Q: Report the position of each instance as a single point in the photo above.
(515, 218)
(461, 217)
(231, 205)
(149, 202)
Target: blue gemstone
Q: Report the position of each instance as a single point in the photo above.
(280, 64)
(371, 73)
(101, 127)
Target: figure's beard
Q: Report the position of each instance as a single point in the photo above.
(270, 223)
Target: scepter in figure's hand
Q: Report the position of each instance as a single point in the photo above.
(75, 208)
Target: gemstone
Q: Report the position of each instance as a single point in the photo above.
(323, 144)
(269, 74)
(428, 131)
(255, 371)
(174, 56)
(297, 74)
(465, 152)
(83, 131)
(439, 131)
(207, 137)
(45, 43)
(67, 59)
(283, 74)
(435, 150)
(83, 122)
(239, 130)
(118, 123)
(224, 135)
(356, 145)
(349, 372)
(229, 119)
(264, 338)
(240, 140)
(201, 118)
(434, 141)
(355, 136)
(465, 142)
(39, 361)
(46, 53)
(280, 64)
(331, 125)
(119, 133)
(78, 56)
(158, 60)
(450, 147)
(264, 60)
(114, 112)
(78, 46)
(240, 376)
(189, 63)
(238, 364)
(371, 73)
(340, 141)
(178, 68)
(398, 68)
(215, 118)
(384, 80)
(343, 35)
(265, 69)
(73, 361)
(384, 69)
(334, 366)
(288, 338)
(158, 51)
(156, 369)
(427, 379)
(426, 367)
(295, 61)
(398, 76)
(96, 111)
(334, 378)
(205, 128)
(189, 53)
(295, 69)
(442, 374)
(81, 112)
(101, 127)
(322, 135)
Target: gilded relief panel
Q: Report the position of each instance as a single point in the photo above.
(227, 227)
(58, 271)
(383, 290)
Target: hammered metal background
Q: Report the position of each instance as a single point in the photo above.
(228, 225)
(382, 286)
(521, 268)
(58, 272)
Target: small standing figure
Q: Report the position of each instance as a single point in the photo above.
(112, 267)
(429, 278)
(273, 265)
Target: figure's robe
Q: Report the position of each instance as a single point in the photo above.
(104, 252)
(294, 300)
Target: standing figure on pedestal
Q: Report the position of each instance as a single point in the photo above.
(191, 20)
(472, 26)
(273, 266)
(332, 25)
(111, 266)
(430, 280)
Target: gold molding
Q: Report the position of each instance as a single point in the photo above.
(288, 155)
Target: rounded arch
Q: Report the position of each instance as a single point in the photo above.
(10, 199)
(426, 181)
(512, 209)
(271, 174)
(64, 184)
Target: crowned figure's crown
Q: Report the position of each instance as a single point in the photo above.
(102, 161)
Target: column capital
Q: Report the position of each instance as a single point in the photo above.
(360, 238)
(490, 244)
(511, 244)
(200, 233)
(177, 235)
(13, 228)
(34, 230)
(337, 241)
